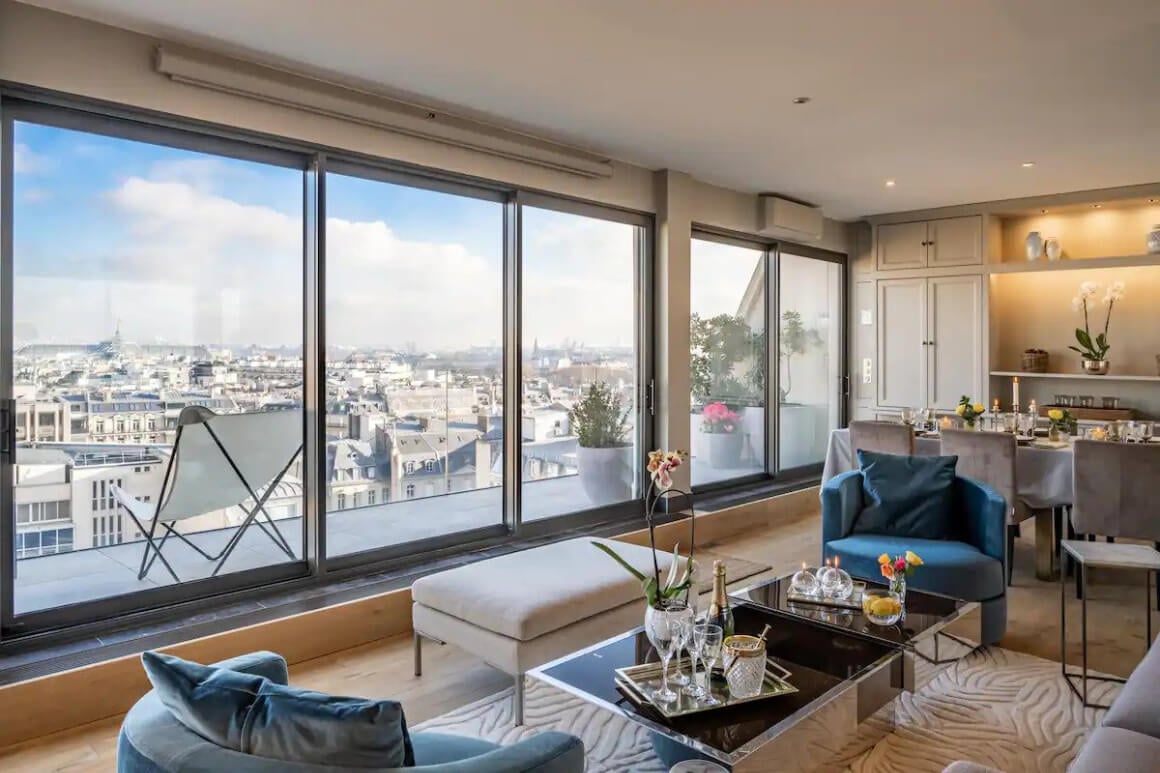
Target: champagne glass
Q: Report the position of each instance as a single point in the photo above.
(1145, 430)
(684, 637)
(708, 639)
(663, 628)
(689, 632)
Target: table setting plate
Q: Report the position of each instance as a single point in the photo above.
(1053, 445)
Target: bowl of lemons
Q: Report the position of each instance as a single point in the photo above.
(882, 607)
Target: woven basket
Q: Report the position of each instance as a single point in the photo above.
(1034, 362)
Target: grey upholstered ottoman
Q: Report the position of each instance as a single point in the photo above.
(522, 610)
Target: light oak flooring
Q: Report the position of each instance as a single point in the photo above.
(452, 678)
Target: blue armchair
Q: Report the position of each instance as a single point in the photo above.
(971, 567)
(153, 741)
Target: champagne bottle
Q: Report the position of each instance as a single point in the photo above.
(719, 611)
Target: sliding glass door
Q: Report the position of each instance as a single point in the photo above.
(810, 354)
(155, 280)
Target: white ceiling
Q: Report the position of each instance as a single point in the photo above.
(946, 97)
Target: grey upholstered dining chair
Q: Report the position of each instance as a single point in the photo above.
(1115, 492)
(990, 458)
(882, 436)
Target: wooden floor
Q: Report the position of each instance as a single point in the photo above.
(452, 678)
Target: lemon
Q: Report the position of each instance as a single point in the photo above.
(884, 607)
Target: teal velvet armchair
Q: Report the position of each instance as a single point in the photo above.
(152, 740)
(970, 566)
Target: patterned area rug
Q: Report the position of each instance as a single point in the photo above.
(1004, 709)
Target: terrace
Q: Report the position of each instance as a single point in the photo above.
(59, 580)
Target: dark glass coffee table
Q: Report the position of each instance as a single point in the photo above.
(922, 635)
(843, 678)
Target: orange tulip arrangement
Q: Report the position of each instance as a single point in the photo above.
(900, 566)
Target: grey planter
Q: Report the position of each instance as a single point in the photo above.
(725, 450)
(605, 474)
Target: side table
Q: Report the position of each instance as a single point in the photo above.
(1115, 556)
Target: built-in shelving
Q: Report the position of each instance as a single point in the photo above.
(1016, 266)
(1084, 376)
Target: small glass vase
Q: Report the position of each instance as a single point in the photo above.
(970, 424)
(1054, 434)
(898, 586)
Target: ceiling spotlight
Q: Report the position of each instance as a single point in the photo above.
(889, 183)
(1152, 201)
(1096, 206)
(1028, 164)
(800, 100)
(1043, 211)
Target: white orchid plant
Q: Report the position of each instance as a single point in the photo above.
(680, 576)
(1094, 348)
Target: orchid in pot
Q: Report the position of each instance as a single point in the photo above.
(723, 426)
(1094, 351)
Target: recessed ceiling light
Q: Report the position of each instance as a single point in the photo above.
(1096, 206)
(800, 100)
(1043, 211)
(1151, 201)
(889, 183)
(1028, 164)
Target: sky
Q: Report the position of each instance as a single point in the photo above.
(189, 248)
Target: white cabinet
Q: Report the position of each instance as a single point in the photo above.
(951, 241)
(930, 341)
(901, 343)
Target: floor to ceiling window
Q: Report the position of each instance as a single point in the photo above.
(728, 360)
(580, 410)
(181, 312)
(414, 362)
(810, 355)
(155, 284)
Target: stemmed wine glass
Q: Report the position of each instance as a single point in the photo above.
(707, 640)
(664, 630)
(691, 687)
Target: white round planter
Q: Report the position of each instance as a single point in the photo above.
(725, 450)
(605, 474)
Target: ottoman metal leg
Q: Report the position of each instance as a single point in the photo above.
(418, 654)
(518, 701)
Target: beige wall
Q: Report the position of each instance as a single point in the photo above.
(1109, 231)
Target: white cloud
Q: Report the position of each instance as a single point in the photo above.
(27, 161)
(35, 195)
(190, 265)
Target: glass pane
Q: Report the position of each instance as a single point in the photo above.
(810, 358)
(727, 361)
(149, 280)
(414, 361)
(579, 441)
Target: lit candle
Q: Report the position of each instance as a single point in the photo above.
(945, 422)
(1033, 409)
(1015, 390)
(995, 406)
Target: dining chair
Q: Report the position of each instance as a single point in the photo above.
(1115, 493)
(881, 436)
(990, 459)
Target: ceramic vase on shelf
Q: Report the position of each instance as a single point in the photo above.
(1034, 245)
(1154, 240)
(1053, 249)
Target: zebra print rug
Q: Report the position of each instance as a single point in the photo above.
(1004, 709)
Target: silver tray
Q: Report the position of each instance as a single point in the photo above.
(853, 602)
(638, 683)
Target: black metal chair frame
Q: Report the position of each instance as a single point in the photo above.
(154, 546)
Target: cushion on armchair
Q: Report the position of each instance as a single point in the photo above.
(949, 567)
(907, 496)
(253, 715)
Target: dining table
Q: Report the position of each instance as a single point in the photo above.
(1043, 481)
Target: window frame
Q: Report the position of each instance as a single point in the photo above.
(315, 161)
(772, 249)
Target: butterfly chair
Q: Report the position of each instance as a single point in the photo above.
(218, 461)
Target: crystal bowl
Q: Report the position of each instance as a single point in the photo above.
(882, 607)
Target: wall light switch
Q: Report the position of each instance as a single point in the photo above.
(866, 317)
(867, 369)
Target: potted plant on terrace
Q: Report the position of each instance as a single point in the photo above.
(604, 456)
(722, 426)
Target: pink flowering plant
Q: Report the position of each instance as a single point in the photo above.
(717, 418)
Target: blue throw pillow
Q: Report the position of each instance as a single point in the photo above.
(252, 715)
(907, 496)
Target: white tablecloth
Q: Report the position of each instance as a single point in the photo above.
(1043, 476)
